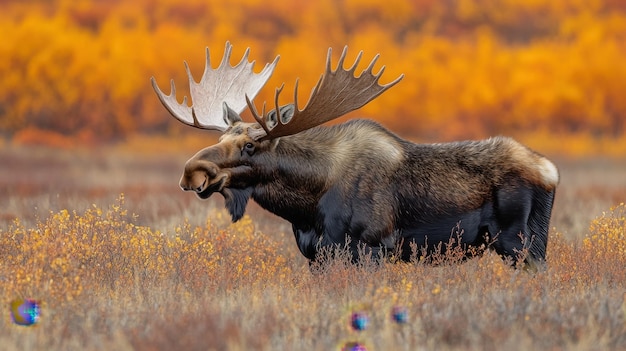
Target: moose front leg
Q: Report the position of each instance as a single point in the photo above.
(310, 242)
(306, 239)
(319, 248)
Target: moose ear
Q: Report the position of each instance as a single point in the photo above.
(286, 112)
(230, 116)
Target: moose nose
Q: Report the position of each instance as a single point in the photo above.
(186, 186)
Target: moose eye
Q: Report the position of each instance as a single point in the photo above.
(248, 148)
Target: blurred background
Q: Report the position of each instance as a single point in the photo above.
(550, 73)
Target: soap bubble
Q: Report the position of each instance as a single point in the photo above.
(359, 321)
(353, 346)
(25, 311)
(400, 314)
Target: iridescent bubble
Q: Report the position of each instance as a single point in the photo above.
(359, 321)
(353, 346)
(25, 311)
(400, 314)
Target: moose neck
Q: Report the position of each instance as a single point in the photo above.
(286, 179)
(291, 178)
(294, 176)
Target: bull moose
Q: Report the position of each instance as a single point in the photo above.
(357, 183)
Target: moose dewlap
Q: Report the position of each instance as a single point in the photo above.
(357, 183)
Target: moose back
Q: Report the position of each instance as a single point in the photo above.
(357, 183)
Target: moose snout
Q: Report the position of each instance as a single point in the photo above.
(189, 186)
(203, 177)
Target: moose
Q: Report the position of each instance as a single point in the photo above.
(357, 184)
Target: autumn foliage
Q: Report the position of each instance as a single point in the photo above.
(537, 70)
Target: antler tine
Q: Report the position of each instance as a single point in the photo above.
(255, 133)
(225, 84)
(178, 111)
(255, 113)
(276, 107)
(189, 75)
(295, 93)
(226, 58)
(356, 61)
(370, 68)
(392, 83)
(336, 93)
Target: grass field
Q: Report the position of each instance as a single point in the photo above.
(121, 259)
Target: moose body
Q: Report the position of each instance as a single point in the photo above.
(359, 184)
(359, 180)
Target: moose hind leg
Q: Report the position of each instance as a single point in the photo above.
(513, 204)
(539, 224)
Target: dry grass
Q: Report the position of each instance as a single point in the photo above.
(157, 269)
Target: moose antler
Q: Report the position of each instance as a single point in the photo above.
(225, 85)
(335, 94)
